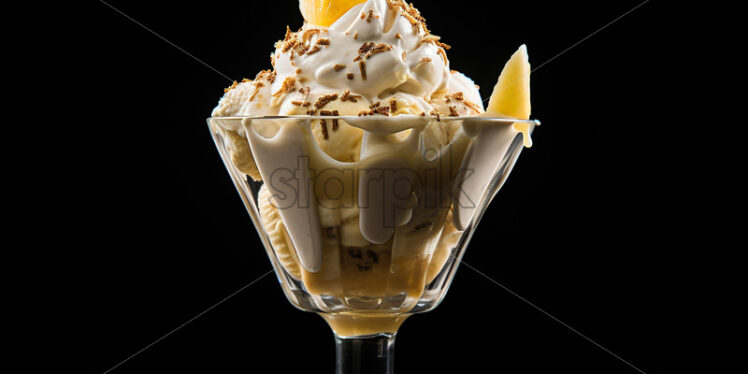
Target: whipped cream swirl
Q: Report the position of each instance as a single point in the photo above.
(378, 50)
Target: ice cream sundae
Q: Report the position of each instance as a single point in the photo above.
(367, 157)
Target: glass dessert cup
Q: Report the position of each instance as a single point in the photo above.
(382, 258)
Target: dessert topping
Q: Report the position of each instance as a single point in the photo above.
(225, 90)
(323, 122)
(362, 67)
(376, 108)
(346, 96)
(441, 52)
(459, 96)
(325, 134)
(324, 100)
(288, 85)
(371, 15)
(369, 49)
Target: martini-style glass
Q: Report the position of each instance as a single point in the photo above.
(367, 244)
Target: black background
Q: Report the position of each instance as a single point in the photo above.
(154, 233)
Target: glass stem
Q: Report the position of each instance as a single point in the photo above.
(372, 354)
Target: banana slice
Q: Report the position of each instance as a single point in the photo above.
(511, 95)
(325, 12)
(448, 240)
(273, 224)
(241, 155)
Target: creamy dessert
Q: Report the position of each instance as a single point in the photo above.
(364, 194)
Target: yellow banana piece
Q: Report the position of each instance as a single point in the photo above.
(276, 230)
(511, 95)
(325, 12)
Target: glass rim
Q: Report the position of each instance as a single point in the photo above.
(504, 120)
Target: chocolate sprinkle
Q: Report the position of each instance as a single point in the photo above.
(348, 97)
(362, 66)
(225, 90)
(324, 100)
(325, 135)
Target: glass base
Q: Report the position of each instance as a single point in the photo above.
(354, 325)
(370, 354)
